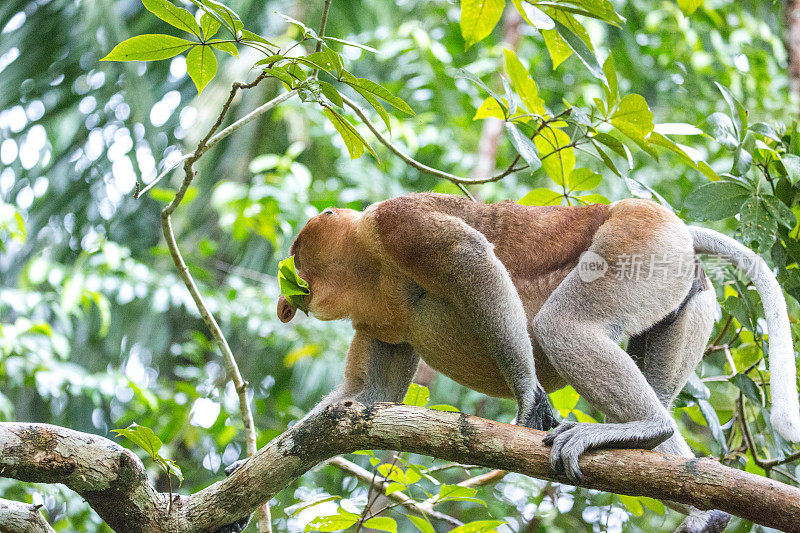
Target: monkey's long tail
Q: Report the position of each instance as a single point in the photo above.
(785, 416)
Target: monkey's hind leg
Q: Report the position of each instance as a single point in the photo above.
(668, 353)
(580, 326)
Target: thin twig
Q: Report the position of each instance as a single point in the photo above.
(322, 23)
(210, 143)
(766, 464)
(380, 482)
(715, 343)
(231, 367)
(422, 167)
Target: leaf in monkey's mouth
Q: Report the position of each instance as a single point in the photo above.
(293, 287)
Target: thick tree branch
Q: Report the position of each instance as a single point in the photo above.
(110, 478)
(17, 517)
(113, 481)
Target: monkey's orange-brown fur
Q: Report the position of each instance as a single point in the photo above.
(490, 295)
(366, 266)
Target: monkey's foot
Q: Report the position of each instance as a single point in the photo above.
(239, 525)
(571, 439)
(704, 522)
(566, 450)
(539, 415)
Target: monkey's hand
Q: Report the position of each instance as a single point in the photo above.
(539, 415)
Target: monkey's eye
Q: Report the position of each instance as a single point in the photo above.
(328, 211)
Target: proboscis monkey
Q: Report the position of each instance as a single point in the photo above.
(518, 301)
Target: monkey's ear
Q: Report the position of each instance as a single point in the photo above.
(285, 310)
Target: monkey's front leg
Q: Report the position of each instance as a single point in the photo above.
(375, 371)
(454, 261)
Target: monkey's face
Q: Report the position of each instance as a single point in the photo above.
(321, 258)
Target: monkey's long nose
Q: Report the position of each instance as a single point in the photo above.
(285, 310)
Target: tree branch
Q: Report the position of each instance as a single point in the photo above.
(114, 484)
(17, 517)
(231, 367)
(422, 167)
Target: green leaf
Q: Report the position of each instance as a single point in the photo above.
(534, 16)
(143, 437)
(721, 128)
(382, 523)
(557, 47)
(584, 179)
(717, 200)
(658, 139)
(632, 504)
(228, 15)
(330, 93)
(612, 85)
(490, 108)
(351, 43)
(599, 9)
(689, 6)
(225, 46)
(307, 32)
(654, 505)
(378, 90)
(756, 224)
(791, 163)
(422, 523)
(779, 211)
(444, 407)
(210, 25)
(612, 142)
(148, 47)
(557, 160)
(766, 130)
(352, 139)
(174, 16)
(742, 160)
(564, 400)
(175, 470)
(394, 487)
(248, 35)
(738, 112)
(524, 146)
(478, 18)
(478, 526)
(606, 160)
(336, 522)
(281, 73)
(417, 395)
(467, 75)
(293, 287)
(749, 388)
(201, 64)
(454, 493)
(541, 196)
(326, 59)
(581, 50)
(269, 60)
(633, 117)
(523, 83)
(366, 95)
(294, 510)
(712, 420)
(593, 199)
